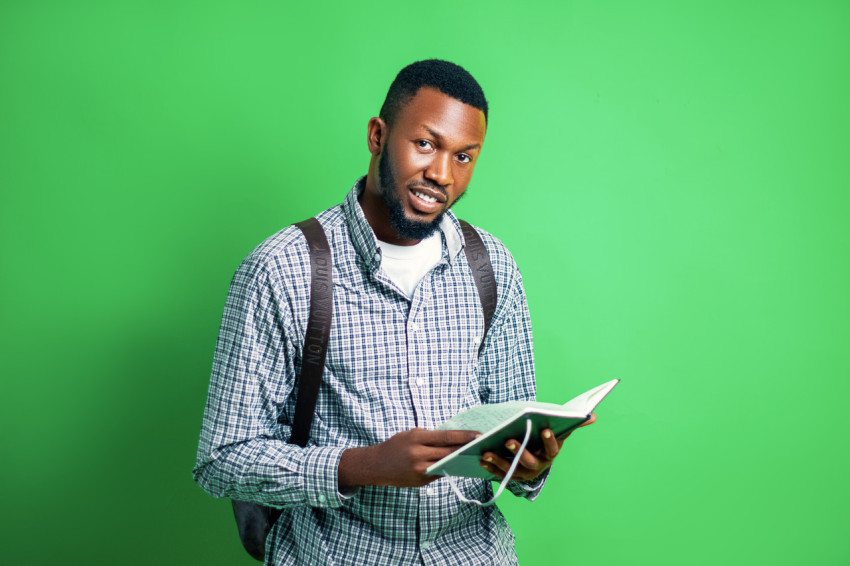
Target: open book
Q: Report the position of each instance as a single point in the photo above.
(502, 421)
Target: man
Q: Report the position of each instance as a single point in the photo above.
(403, 356)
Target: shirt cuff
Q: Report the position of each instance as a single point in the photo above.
(529, 490)
(321, 481)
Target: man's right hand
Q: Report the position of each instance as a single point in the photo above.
(401, 460)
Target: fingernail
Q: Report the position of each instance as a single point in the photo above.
(483, 465)
(512, 447)
(547, 434)
(488, 459)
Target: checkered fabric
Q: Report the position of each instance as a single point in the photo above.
(393, 363)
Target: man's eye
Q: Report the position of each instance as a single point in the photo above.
(423, 144)
(464, 158)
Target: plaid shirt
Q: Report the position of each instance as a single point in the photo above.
(393, 364)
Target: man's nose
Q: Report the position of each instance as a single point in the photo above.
(440, 169)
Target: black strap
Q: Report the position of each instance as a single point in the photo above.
(482, 272)
(253, 520)
(318, 330)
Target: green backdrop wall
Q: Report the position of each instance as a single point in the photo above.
(671, 176)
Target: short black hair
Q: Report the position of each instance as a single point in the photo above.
(448, 78)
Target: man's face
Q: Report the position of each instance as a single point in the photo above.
(427, 161)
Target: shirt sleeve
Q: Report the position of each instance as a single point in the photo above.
(506, 364)
(242, 453)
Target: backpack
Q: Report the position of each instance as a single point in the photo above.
(254, 520)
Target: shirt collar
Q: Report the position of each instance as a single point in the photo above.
(364, 239)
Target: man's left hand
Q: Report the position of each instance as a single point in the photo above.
(531, 464)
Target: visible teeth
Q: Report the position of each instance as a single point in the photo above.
(425, 197)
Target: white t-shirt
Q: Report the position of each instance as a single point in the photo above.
(407, 265)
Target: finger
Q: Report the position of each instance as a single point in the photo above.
(527, 460)
(448, 437)
(493, 470)
(499, 467)
(432, 454)
(589, 421)
(496, 462)
(551, 446)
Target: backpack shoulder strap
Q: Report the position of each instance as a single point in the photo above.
(482, 272)
(318, 330)
(253, 520)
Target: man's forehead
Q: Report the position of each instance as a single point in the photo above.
(433, 111)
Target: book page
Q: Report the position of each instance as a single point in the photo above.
(587, 401)
(483, 417)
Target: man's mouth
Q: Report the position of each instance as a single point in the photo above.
(427, 200)
(425, 197)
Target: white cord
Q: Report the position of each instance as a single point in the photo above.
(505, 481)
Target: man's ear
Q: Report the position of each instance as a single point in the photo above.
(376, 135)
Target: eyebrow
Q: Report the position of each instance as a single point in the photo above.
(439, 137)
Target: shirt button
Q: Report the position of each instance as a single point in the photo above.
(476, 340)
(420, 382)
(425, 544)
(430, 492)
(414, 327)
(322, 498)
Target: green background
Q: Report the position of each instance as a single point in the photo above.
(671, 176)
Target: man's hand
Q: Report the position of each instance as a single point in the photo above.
(401, 460)
(531, 465)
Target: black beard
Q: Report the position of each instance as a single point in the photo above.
(404, 227)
